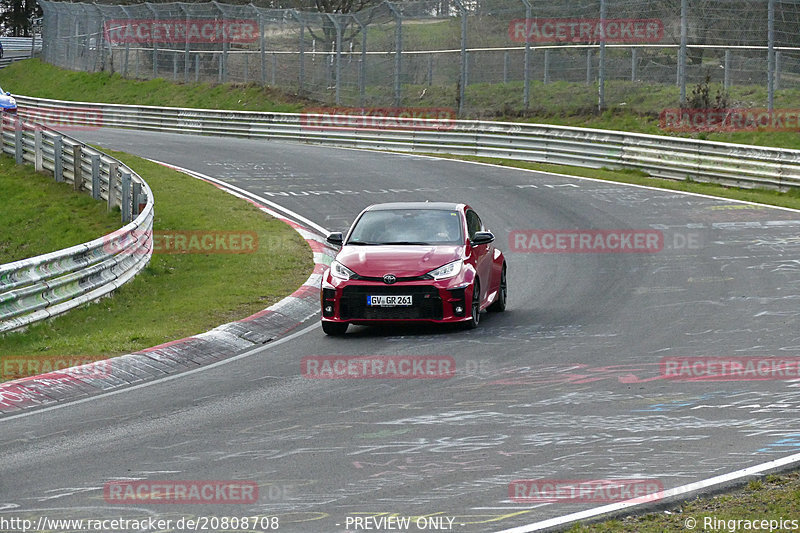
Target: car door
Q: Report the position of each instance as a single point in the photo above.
(482, 253)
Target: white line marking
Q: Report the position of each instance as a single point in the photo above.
(636, 502)
(254, 351)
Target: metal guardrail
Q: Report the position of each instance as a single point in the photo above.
(6, 61)
(21, 43)
(660, 156)
(47, 285)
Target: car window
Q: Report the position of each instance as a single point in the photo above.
(407, 226)
(474, 223)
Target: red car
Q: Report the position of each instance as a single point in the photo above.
(413, 262)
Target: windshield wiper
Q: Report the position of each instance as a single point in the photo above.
(364, 243)
(420, 243)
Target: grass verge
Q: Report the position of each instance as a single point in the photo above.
(40, 215)
(176, 295)
(773, 498)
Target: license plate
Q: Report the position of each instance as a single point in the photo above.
(389, 301)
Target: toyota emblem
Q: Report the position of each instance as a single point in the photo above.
(389, 279)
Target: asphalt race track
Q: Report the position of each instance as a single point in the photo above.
(566, 385)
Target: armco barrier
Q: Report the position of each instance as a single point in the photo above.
(659, 156)
(41, 287)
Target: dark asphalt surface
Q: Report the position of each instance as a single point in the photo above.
(565, 385)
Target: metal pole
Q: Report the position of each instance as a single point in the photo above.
(777, 75)
(726, 83)
(682, 51)
(302, 73)
(462, 84)
(262, 46)
(526, 91)
(38, 164)
(96, 176)
(186, 47)
(155, 46)
(505, 66)
(111, 197)
(546, 66)
(58, 158)
(601, 72)
(77, 170)
(770, 54)
(398, 58)
(588, 66)
(633, 63)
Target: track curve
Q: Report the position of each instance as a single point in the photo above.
(565, 385)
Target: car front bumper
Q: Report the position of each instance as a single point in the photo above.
(443, 301)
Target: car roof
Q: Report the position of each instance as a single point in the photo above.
(448, 206)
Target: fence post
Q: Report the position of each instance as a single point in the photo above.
(186, 47)
(633, 63)
(588, 66)
(726, 82)
(526, 90)
(505, 66)
(18, 144)
(770, 54)
(777, 76)
(398, 46)
(137, 192)
(462, 81)
(301, 75)
(77, 170)
(58, 158)
(37, 150)
(601, 67)
(96, 176)
(546, 66)
(682, 51)
(261, 45)
(112, 186)
(126, 197)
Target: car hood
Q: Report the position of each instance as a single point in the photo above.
(400, 260)
(7, 101)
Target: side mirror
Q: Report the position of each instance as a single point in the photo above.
(8, 93)
(482, 237)
(336, 238)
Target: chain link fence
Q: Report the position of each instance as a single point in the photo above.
(455, 53)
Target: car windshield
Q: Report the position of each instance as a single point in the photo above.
(407, 226)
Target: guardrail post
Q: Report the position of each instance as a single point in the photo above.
(58, 158)
(126, 197)
(96, 176)
(77, 167)
(37, 150)
(137, 193)
(112, 186)
(18, 145)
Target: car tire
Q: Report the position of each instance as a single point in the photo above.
(499, 305)
(475, 308)
(334, 329)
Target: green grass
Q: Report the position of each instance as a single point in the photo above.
(33, 77)
(41, 216)
(176, 295)
(775, 497)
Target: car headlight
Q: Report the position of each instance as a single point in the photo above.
(449, 270)
(340, 271)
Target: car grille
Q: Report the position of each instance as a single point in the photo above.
(427, 303)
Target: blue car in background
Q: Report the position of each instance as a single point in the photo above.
(7, 102)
